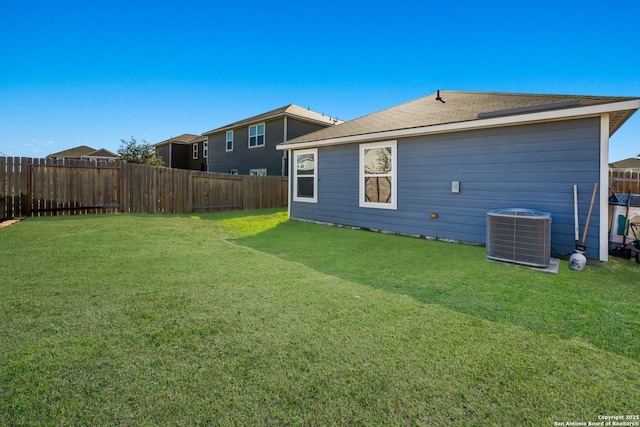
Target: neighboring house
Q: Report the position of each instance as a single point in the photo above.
(186, 151)
(84, 152)
(630, 163)
(248, 147)
(435, 166)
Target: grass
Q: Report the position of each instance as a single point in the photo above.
(249, 319)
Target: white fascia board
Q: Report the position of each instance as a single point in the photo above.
(552, 115)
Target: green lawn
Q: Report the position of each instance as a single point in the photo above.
(249, 319)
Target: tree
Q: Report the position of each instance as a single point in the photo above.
(142, 153)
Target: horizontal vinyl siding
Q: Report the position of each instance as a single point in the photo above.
(196, 164)
(296, 128)
(244, 158)
(532, 166)
(180, 156)
(164, 152)
(217, 149)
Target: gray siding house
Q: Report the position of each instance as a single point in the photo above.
(186, 151)
(434, 167)
(248, 147)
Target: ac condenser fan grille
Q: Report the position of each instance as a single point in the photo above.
(521, 236)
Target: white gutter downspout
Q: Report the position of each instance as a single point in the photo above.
(286, 155)
(290, 186)
(604, 187)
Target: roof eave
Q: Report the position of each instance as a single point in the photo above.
(170, 142)
(264, 119)
(551, 115)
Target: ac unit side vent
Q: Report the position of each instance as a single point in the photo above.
(521, 236)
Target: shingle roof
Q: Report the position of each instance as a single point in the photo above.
(200, 138)
(459, 107)
(103, 152)
(78, 151)
(290, 110)
(630, 163)
(185, 138)
(82, 151)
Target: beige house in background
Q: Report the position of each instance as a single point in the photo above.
(84, 152)
(630, 163)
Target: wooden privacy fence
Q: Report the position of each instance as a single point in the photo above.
(624, 180)
(37, 187)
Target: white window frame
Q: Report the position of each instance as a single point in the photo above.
(393, 175)
(233, 171)
(297, 198)
(195, 151)
(229, 139)
(258, 172)
(205, 150)
(264, 129)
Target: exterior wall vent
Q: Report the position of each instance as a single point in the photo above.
(521, 236)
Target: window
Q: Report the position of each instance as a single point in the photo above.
(305, 182)
(256, 136)
(233, 171)
(195, 150)
(378, 179)
(230, 140)
(258, 172)
(205, 149)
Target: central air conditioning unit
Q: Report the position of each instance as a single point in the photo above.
(521, 236)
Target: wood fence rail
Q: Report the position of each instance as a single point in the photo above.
(42, 187)
(624, 180)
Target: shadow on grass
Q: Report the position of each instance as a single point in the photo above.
(600, 306)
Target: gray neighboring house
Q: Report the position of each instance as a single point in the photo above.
(186, 151)
(435, 166)
(248, 146)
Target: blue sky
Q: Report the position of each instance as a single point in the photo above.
(92, 73)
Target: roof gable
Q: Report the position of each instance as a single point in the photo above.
(200, 138)
(102, 153)
(185, 138)
(451, 107)
(75, 152)
(630, 163)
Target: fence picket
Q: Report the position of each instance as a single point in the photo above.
(623, 180)
(3, 188)
(10, 202)
(42, 187)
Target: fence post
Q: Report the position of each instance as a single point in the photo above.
(3, 186)
(10, 199)
(245, 183)
(28, 191)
